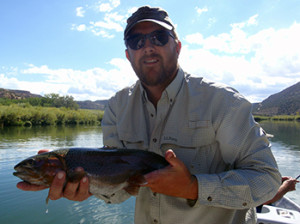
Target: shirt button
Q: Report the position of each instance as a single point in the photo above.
(155, 221)
(244, 204)
(209, 198)
(154, 194)
(151, 115)
(154, 140)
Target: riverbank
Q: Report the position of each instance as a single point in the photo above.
(277, 118)
(20, 115)
(26, 115)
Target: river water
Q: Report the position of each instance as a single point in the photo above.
(17, 143)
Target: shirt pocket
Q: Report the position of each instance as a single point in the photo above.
(192, 143)
(133, 140)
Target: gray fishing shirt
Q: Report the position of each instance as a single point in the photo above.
(210, 128)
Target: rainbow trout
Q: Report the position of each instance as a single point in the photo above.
(108, 170)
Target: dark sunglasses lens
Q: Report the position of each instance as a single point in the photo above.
(136, 41)
(159, 38)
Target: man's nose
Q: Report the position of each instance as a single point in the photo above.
(149, 46)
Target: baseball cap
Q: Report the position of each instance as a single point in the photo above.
(147, 13)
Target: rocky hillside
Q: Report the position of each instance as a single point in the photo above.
(22, 94)
(16, 94)
(286, 102)
(93, 105)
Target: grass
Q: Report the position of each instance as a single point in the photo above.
(26, 115)
(278, 118)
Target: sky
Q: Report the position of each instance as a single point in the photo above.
(76, 47)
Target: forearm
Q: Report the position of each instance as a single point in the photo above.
(237, 189)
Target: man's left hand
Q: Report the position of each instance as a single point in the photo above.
(174, 180)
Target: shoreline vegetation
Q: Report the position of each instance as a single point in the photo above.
(27, 115)
(20, 115)
(260, 118)
(53, 109)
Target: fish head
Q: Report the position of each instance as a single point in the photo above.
(40, 169)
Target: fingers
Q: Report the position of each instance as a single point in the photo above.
(174, 180)
(43, 151)
(173, 160)
(83, 192)
(73, 191)
(152, 177)
(77, 191)
(132, 189)
(56, 189)
(30, 187)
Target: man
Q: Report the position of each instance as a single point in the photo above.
(220, 160)
(288, 184)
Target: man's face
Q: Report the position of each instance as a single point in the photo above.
(154, 65)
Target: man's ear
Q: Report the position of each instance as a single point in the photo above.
(127, 54)
(178, 47)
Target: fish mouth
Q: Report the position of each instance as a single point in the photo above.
(23, 172)
(29, 176)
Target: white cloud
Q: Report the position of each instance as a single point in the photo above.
(108, 6)
(105, 7)
(80, 12)
(93, 84)
(252, 63)
(110, 23)
(201, 10)
(81, 27)
(250, 22)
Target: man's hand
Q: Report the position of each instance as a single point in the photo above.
(288, 184)
(72, 191)
(174, 180)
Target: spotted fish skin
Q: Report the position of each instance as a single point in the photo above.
(108, 169)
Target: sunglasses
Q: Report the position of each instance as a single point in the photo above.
(158, 38)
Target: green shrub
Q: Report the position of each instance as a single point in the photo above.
(18, 115)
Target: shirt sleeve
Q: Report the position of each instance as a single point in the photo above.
(253, 177)
(111, 139)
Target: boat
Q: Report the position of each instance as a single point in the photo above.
(283, 211)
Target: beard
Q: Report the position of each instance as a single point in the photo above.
(161, 74)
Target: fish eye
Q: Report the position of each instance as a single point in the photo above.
(30, 162)
(36, 162)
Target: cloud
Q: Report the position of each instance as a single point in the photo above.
(81, 27)
(251, 62)
(80, 12)
(106, 27)
(92, 84)
(201, 10)
(108, 6)
(237, 41)
(111, 22)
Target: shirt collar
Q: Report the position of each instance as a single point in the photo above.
(175, 85)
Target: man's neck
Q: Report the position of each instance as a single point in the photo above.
(154, 93)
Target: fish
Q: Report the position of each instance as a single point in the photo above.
(108, 169)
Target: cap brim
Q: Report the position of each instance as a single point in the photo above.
(165, 25)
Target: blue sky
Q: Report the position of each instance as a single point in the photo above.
(75, 47)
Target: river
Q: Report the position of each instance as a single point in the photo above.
(17, 143)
